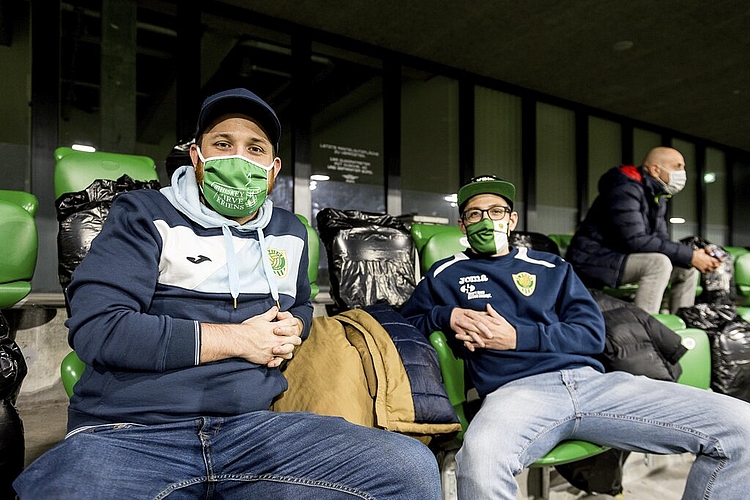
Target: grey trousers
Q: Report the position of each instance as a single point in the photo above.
(654, 272)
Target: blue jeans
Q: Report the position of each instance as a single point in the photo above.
(258, 455)
(521, 421)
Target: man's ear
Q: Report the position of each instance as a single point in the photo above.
(512, 221)
(653, 170)
(194, 154)
(461, 225)
(272, 178)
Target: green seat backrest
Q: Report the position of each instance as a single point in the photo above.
(313, 248)
(76, 170)
(696, 362)
(736, 251)
(742, 274)
(563, 242)
(20, 245)
(434, 242)
(452, 370)
(671, 321)
(71, 370)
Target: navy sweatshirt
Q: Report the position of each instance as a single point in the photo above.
(136, 301)
(557, 321)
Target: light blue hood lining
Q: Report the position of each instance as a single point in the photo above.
(184, 195)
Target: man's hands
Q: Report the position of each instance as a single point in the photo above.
(267, 339)
(483, 329)
(703, 262)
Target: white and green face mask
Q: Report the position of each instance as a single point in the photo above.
(488, 236)
(233, 185)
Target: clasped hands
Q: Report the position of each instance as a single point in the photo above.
(483, 329)
(266, 339)
(276, 334)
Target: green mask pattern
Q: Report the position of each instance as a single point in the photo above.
(488, 236)
(234, 186)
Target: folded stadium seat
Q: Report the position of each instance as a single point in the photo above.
(74, 172)
(313, 251)
(696, 362)
(20, 244)
(434, 243)
(742, 278)
(563, 241)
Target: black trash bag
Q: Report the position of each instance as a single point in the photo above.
(601, 473)
(535, 241)
(12, 447)
(12, 364)
(178, 156)
(730, 346)
(370, 258)
(718, 286)
(81, 215)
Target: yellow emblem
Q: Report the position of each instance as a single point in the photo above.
(278, 262)
(525, 282)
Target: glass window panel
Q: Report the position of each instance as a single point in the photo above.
(716, 205)
(556, 170)
(683, 205)
(643, 142)
(605, 151)
(347, 132)
(429, 144)
(497, 143)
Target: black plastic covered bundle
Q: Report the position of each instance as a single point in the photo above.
(730, 346)
(535, 241)
(12, 448)
(718, 286)
(81, 215)
(370, 258)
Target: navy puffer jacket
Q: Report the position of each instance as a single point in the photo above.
(628, 216)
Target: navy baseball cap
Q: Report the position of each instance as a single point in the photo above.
(486, 184)
(242, 101)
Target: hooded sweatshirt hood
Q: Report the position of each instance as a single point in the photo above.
(184, 195)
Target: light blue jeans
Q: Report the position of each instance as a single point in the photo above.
(523, 420)
(262, 455)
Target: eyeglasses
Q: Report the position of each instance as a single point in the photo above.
(495, 213)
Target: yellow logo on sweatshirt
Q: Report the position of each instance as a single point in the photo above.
(525, 282)
(278, 262)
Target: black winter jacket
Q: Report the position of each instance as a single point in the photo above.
(628, 216)
(637, 342)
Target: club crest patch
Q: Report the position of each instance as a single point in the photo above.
(278, 262)
(525, 282)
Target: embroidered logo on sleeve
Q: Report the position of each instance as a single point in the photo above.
(278, 262)
(525, 282)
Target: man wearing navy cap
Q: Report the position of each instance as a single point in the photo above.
(528, 330)
(183, 310)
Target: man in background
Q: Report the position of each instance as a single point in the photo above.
(624, 237)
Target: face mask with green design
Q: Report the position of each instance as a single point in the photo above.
(488, 236)
(233, 185)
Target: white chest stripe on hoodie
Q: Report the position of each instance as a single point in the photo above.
(200, 263)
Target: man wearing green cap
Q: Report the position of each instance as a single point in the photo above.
(528, 330)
